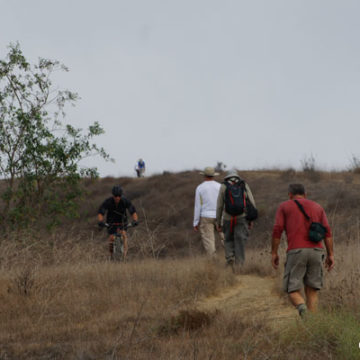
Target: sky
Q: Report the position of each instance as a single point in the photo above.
(184, 84)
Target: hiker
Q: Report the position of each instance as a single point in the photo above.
(115, 208)
(205, 209)
(140, 168)
(236, 212)
(300, 218)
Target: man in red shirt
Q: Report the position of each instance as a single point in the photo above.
(304, 257)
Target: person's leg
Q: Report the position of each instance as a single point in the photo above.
(207, 235)
(241, 234)
(311, 298)
(295, 268)
(298, 301)
(228, 243)
(314, 277)
(296, 298)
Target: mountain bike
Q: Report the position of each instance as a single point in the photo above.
(118, 253)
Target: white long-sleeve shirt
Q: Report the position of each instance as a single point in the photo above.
(206, 195)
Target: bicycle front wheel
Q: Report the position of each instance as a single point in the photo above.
(118, 250)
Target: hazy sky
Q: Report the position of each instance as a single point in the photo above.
(186, 83)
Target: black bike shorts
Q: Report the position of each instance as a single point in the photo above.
(114, 228)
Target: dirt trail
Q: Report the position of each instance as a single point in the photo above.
(255, 297)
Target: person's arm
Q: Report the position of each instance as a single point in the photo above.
(277, 231)
(132, 211)
(220, 207)
(101, 214)
(274, 252)
(250, 195)
(329, 262)
(328, 241)
(134, 217)
(197, 208)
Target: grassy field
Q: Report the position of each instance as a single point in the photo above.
(61, 299)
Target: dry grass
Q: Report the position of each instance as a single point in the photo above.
(61, 299)
(98, 309)
(342, 285)
(147, 309)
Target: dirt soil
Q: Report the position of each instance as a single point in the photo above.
(256, 298)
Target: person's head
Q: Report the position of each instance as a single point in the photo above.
(209, 173)
(117, 192)
(296, 190)
(232, 175)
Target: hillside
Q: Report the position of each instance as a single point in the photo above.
(62, 299)
(165, 206)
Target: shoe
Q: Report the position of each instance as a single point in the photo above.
(302, 309)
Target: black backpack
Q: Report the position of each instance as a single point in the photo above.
(235, 199)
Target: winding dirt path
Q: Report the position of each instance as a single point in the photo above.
(255, 297)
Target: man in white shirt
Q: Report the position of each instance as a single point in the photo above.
(206, 195)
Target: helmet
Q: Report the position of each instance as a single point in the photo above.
(117, 190)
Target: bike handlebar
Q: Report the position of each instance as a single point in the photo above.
(119, 224)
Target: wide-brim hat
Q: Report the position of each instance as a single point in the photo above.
(231, 174)
(209, 171)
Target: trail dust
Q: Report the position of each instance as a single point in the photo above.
(256, 298)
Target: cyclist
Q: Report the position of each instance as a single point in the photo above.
(115, 208)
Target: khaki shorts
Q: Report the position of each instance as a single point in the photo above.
(303, 267)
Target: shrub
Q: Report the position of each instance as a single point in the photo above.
(39, 154)
(309, 167)
(354, 164)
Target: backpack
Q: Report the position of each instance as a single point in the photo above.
(235, 199)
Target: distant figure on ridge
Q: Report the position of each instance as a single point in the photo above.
(205, 209)
(140, 168)
(306, 226)
(235, 214)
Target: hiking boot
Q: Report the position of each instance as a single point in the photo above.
(302, 309)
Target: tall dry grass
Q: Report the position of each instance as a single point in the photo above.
(61, 299)
(146, 309)
(96, 309)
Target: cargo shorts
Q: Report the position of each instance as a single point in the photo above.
(303, 267)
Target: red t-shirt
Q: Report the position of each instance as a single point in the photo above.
(291, 219)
